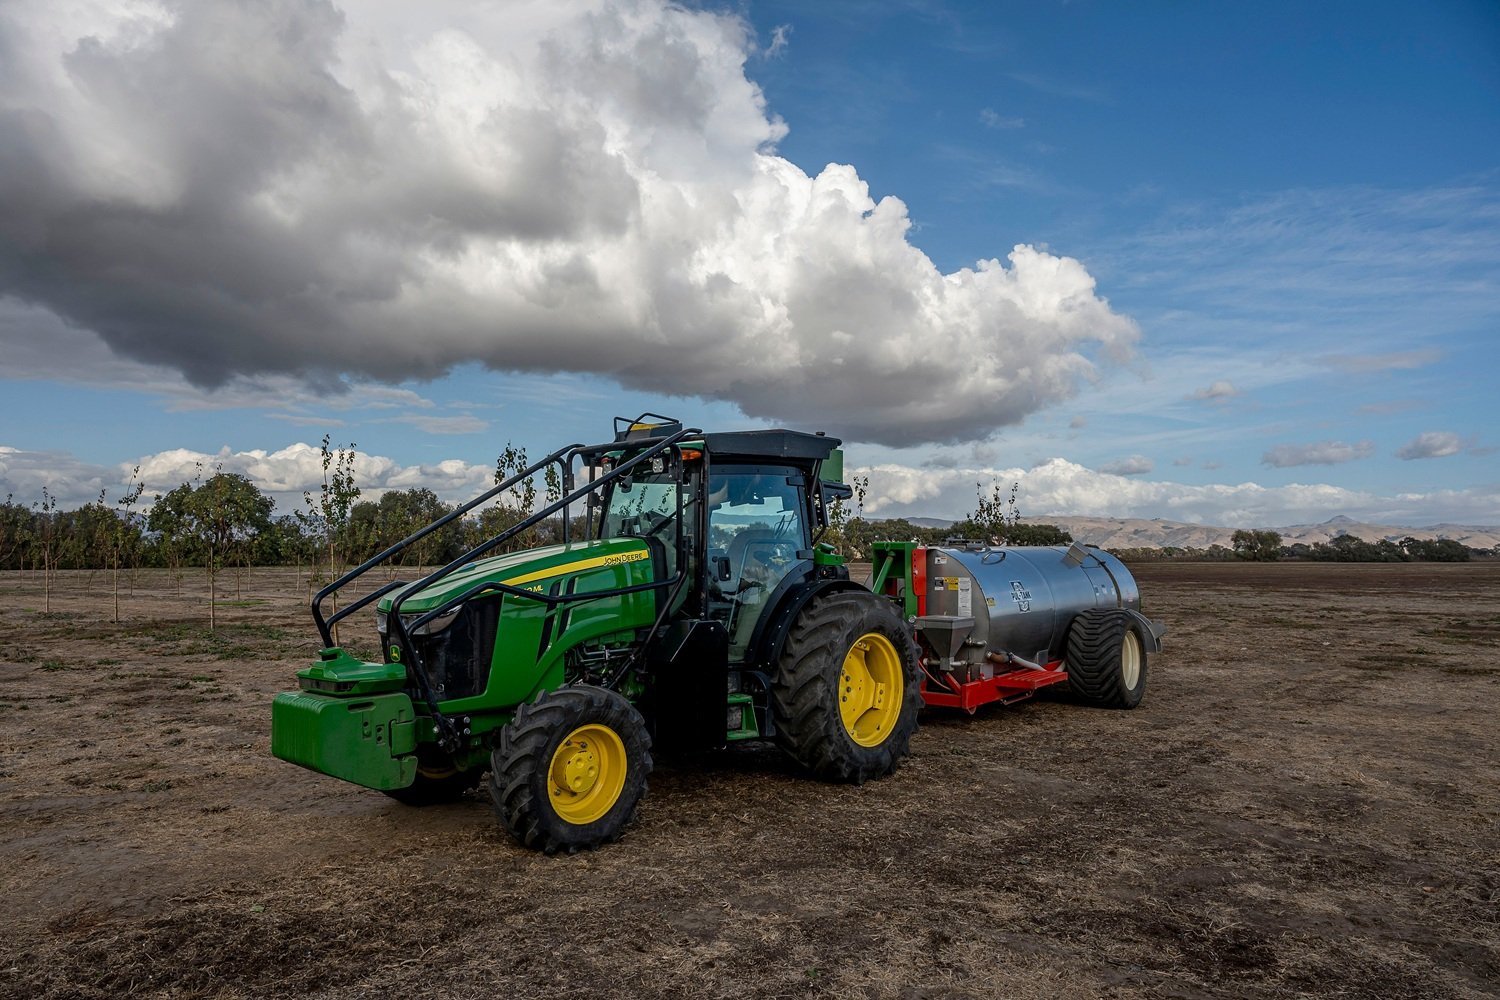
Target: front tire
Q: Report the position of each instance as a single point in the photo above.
(846, 694)
(570, 769)
(1106, 660)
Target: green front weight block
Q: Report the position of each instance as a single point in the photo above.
(369, 741)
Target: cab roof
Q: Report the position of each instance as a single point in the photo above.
(776, 444)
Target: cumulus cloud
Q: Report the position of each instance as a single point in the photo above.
(1059, 487)
(290, 471)
(23, 474)
(1432, 444)
(1285, 456)
(1135, 465)
(384, 192)
(1218, 391)
(285, 474)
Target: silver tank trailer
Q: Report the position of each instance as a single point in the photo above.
(1022, 601)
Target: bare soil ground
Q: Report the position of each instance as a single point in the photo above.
(1307, 804)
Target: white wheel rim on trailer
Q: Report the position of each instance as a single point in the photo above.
(1130, 660)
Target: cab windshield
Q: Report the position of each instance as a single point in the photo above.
(645, 506)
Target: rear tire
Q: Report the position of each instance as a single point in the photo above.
(1106, 660)
(570, 769)
(846, 694)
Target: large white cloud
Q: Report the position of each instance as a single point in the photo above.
(289, 472)
(389, 190)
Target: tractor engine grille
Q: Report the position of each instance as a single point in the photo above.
(457, 659)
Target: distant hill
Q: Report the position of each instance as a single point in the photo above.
(1140, 533)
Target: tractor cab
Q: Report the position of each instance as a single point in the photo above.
(737, 513)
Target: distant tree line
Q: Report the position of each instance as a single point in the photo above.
(1267, 546)
(222, 521)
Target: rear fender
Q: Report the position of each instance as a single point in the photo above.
(1149, 631)
(773, 629)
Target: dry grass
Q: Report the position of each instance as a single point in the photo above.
(1306, 805)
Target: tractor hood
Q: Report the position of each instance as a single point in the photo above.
(533, 569)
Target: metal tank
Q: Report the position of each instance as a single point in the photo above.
(1021, 602)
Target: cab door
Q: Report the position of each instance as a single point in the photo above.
(757, 526)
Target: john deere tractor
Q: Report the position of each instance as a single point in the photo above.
(697, 608)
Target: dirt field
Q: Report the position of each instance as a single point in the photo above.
(1307, 804)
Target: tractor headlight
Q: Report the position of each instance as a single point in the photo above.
(383, 625)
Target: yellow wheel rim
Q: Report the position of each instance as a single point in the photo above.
(870, 689)
(587, 774)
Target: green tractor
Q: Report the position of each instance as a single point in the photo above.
(697, 609)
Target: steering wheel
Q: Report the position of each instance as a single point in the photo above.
(651, 522)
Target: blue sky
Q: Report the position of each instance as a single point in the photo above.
(1290, 214)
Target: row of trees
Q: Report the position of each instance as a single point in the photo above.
(222, 520)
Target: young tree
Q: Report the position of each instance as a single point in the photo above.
(44, 537)
(511, 507)
(130, 534)
(86, 537)
(328, 518)
(853, 533)
(996, 514)
(223, 513)
(997, 520)
(122, 535)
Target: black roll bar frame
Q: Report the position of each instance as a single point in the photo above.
(400, 631)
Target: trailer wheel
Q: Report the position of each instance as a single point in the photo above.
(845, 696)
(570, 769)
(437, 783)
(1106, 660)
